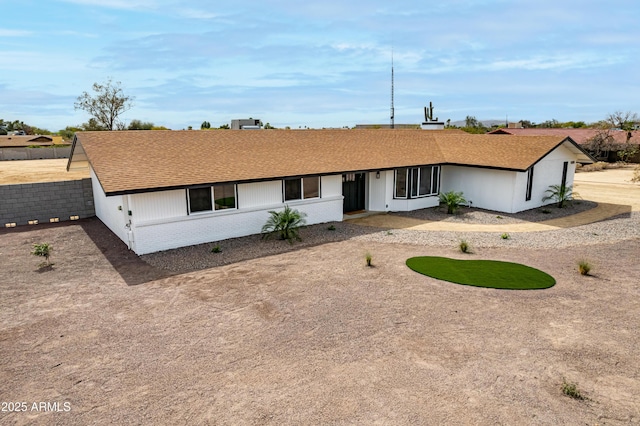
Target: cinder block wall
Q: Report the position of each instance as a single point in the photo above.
(41, 201)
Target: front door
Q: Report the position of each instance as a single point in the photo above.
(353, 189)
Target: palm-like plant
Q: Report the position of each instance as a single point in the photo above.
(285, 224)
(560, 193)
(452, 200)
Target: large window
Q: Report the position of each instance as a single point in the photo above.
(416, 182)
(301, 188)
(224, 196)
(218, 197)
(200, 199)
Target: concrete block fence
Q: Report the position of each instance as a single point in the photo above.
(26, 202)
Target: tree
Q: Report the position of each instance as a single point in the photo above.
(43, 250)
(268, 126)
(106, 104)
(624, 121)
(140, 125)
(205, 125)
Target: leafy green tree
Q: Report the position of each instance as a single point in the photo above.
(43, 250)
(106, 104)
(224, 126)
(452, 200)
(140, 125)
(205, 125)
(562, 194)
(268, 126)
(285, 224)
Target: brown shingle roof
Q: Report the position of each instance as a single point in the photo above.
(20, 141)
(137, 161)
(580, 136)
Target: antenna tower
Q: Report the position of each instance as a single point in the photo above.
(392, 109)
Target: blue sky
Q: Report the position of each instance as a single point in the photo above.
(321, 64)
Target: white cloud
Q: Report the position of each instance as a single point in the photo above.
(5, 32)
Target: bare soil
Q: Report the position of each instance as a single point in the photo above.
(312, 336)
(30, 171)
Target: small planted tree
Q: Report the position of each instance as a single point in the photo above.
(43, 250)
(452, 200)
(284, 224)
(562, 194)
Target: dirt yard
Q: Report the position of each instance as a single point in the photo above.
(312, 336)
(29, 171)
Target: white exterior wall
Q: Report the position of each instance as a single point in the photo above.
(381, 192)
(154, 232)
(158, 205)
(112, 211)
(331, 186)
(486, 188)
(546, 172)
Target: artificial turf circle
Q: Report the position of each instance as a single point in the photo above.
(482, 273)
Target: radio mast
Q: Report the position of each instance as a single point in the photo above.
(392, 109)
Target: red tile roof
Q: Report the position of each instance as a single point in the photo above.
(138, 161)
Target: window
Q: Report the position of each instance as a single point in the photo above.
(401, 183)
(200, 199)
(422, 181)
(218, 197)
(301, 188)
(224, 196)
(529, 183)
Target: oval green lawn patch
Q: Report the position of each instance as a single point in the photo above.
(482, 273)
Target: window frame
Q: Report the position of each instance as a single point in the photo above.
(300, 181)
(529, 190)
(412, 182)
(212, 199)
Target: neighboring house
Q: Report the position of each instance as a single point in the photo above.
(25, 147)
(158, 190)
(583, 137)
(22, 141)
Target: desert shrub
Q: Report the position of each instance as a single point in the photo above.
(464, 247)
(452, 200)
(545, 211)
(584, 267)
(571, 390)
(368, 257)
(43, 250)
(505, 236)
(331, 228)
(216, 249)
(285, 224)
(562, 194)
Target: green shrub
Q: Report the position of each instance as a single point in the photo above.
(464, 247)
(505, 236)
(331, 228)
(571, 390)
(584, 267)
(452, 200)
(545, 211)
(562, 194)
(368, 257)
(285, 224)
(43, 250)
(216, 249)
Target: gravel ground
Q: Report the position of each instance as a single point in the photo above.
(198, 257)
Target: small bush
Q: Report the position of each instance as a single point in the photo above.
(285, 224)
(545, 211)
(331, 228)
(43, 250)
(216, 249)
(571, 390)
(452, 200)
(584, 267)
(505, 236)
(464, 247)
(368, 258)
(499, 217)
